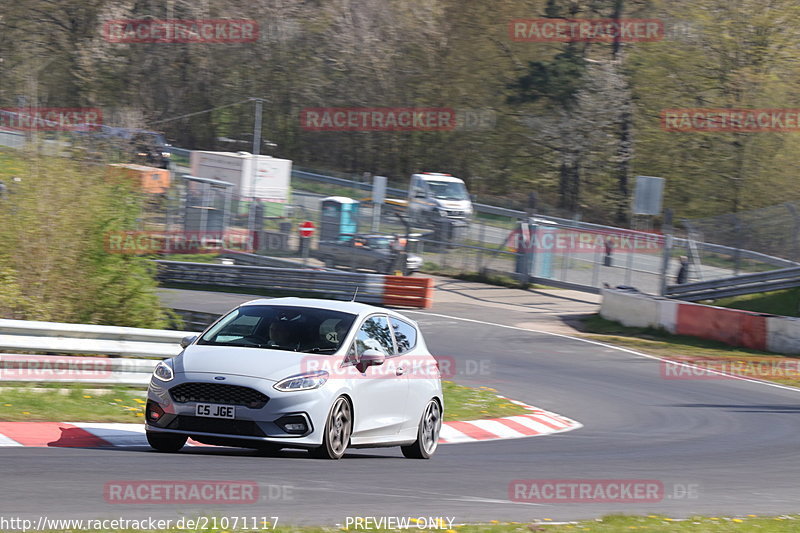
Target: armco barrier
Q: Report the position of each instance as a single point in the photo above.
(404, 291)
(55, 337)
(757, 331)
(368, 288)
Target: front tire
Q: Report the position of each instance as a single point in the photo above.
(338, 428)
(165, 442)
(427, 434)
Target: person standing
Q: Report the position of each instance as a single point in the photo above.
(609, 249)
(683, 271)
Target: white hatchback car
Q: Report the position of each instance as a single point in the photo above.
(292, 372)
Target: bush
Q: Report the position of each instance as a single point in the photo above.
(53, 262)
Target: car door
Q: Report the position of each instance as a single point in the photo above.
(421, 369)
(380, 392)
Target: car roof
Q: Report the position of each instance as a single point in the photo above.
(355, 308)
(434, 176)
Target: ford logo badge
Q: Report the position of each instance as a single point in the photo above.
(219, 378)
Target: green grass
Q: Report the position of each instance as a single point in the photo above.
(607, 524)
(21, 403)
(466, 403)
(785, 302)
(728, 262)
(77, 404)
(328, 189)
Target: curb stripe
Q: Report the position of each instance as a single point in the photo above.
(513, 424)
(543, 421)
(47, 434)
(535, 425)
(452, 435)
(93, 435)
(471, 430)
(5, 441)
(498, 429)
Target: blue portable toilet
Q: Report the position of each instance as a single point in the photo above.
(339, 218)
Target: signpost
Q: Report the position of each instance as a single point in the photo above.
(378, 197)
(307, 229)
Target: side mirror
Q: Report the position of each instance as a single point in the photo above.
(186, 341)
(370, 358)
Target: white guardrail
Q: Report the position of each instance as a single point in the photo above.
(148, 345)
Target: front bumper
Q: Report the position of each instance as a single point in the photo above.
(265, 424)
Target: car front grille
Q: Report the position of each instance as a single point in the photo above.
(218, 393)
(242, 428)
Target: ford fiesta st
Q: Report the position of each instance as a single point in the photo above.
(301, 373)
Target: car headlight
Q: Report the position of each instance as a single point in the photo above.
(163, 372)
(166, 154)
(308, 381)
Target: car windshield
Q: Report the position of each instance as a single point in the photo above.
(303, 329)
(448, 190)
(378, 243)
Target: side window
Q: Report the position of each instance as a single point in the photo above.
(405, 335)
(374, 334)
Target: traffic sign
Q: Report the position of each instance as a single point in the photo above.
(307, 229)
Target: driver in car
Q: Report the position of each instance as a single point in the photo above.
(283, 335)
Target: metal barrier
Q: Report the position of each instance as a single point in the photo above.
(773, 280)
(89, 339)
(320, 283)
(331, 284)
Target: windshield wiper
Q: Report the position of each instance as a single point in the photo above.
(321, 350)
(234, 344)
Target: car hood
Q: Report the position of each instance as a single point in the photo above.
(454, 204)
(273, 365)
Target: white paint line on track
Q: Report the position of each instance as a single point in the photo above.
(610, 346)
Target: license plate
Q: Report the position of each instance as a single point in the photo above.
(212, 410)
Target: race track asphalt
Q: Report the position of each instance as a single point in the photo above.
(718, 446)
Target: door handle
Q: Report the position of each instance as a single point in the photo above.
(400, 370)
